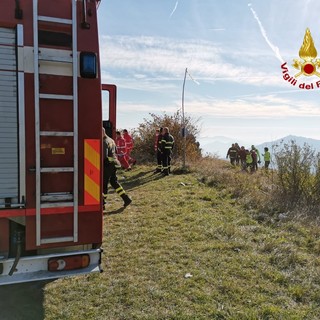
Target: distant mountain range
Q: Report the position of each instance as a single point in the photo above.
(218, 146)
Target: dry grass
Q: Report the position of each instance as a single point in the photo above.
(254, 191)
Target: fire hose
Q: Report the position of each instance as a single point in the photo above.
(18, 254)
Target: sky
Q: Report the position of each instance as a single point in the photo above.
(233, 50)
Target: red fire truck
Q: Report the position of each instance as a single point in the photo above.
(50, 139)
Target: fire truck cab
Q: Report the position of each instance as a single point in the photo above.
(51, 215)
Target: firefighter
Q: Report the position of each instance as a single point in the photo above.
(110, 166)
(129, 144)
(157, 147)
(122, 151)
(167, 143)
(232, 154)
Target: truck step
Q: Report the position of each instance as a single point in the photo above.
(43, 57)
(56, 169)
(56, 240)
(55, 20)
(56, 133)
(56, 204)
(55, 96)
(56, 197)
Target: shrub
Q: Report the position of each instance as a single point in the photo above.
(144, 137)
(295, 175)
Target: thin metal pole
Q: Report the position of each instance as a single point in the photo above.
(183, 121)
(75, 123)
(37, 120)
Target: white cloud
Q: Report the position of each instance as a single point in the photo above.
(163, 57)
(260, 107)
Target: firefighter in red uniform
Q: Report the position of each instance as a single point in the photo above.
(157, 148)
(167, 143)
(122, 151)
(129, 143)
(110, 165)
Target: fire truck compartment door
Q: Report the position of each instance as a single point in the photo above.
(9, 180)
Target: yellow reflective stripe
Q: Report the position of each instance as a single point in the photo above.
(92, 191)
(120, 191)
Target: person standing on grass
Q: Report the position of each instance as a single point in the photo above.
(156, 140)
(236, 145)
(242, 157)
(167, 143)
(110, 166)
(129, 144)
(254, 160)
(122, 151)
(232, 154)
(267, 158)
(157, 148)
(249, 161)
(258, 158)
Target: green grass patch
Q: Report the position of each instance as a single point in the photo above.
(185, 250)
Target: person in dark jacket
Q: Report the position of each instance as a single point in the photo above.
(257, 157)
(110, 166)
(157, 147)
(254, 160)
(167, 143)
(232, 154)
(242, 155)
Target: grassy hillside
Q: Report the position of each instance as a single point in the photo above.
(184, 250)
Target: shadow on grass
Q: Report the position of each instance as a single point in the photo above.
(22, 301)
(120, 210)
(141, 178)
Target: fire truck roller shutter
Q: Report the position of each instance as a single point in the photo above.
(9, 181)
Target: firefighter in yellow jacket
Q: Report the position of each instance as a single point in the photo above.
(249, 161)
(267, 158)
(110, 166)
